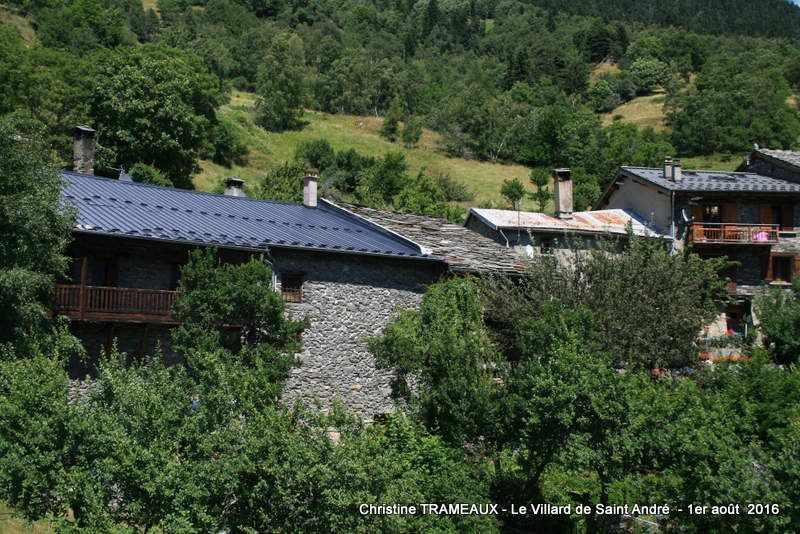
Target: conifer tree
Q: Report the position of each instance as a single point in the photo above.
(390, 128)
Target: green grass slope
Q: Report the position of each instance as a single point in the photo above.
(269, 149)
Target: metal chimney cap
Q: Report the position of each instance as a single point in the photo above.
(234, 181)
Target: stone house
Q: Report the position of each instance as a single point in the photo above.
(346, 273)
(559, 234)
(750, 218)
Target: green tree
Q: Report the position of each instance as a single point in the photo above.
(412, 131)
(283, 183)
(156, 105)
(282, 84)
(215, 298)
(602, 97)
(649, 73)
(383, 180)
(317, 153)
(541, 195)
(623, 282)
(446, 348)
(34, 232)
(729, 109)
(779, 313)
(14, 69)
(513, 191)
(147, 174)
(390, 128)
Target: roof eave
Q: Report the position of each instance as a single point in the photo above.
(265, 248)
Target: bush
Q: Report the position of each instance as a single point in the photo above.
(317, 153)
(147, 174)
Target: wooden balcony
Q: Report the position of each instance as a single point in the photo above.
(115, 304)
(732, 234)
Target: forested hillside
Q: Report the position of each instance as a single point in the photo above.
(497, 81)
(771, 18)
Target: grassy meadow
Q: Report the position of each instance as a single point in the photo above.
(270, 149)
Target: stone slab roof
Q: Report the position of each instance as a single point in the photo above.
(133, 210)
(462, 249)
(790, 157)
(611, 221)
(713, 181)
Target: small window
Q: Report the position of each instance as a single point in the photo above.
(782, 269)
(292, 287)
(547, 244)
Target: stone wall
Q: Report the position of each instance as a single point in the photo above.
(348, 299)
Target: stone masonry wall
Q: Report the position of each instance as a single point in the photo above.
(348, 299)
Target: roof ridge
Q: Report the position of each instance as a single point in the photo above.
(685, 170)
(178, 189)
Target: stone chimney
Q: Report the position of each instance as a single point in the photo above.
(310, 190)
(668, 168)
(562, 193)
(677, 171)
(234, 187)
(83, 149)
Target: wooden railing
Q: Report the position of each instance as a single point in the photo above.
(114, 303)
(753, 234)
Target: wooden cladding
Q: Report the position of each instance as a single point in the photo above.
(95, 303)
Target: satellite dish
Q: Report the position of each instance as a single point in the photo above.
(529, 252)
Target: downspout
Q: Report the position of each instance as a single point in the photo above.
(271, 262)
(673, 228)
(504, 236)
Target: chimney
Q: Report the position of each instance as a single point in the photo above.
(310, 190)
(677, 172)
(83, 149)
(562, 192)
(668, 168)
(234, 187)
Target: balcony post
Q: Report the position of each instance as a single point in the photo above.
(82, 294)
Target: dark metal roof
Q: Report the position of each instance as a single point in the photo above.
(127, 209)
(463, 249)
(712, 181)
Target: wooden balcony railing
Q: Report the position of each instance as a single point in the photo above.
(751, 234)
(121, 304)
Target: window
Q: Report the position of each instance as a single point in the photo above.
(292, 287)
(712, 213)
(547, 244)
(782, 268)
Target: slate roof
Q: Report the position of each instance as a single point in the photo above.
(127, 209)
(788, 157)
(611, 221)
(712, 181)
(463, 249)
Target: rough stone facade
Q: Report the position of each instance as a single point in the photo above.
(347, 299)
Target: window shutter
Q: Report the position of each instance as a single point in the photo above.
(796, 266)
(765, 214)
(729, 213)
(787, 217)
(697, 213)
